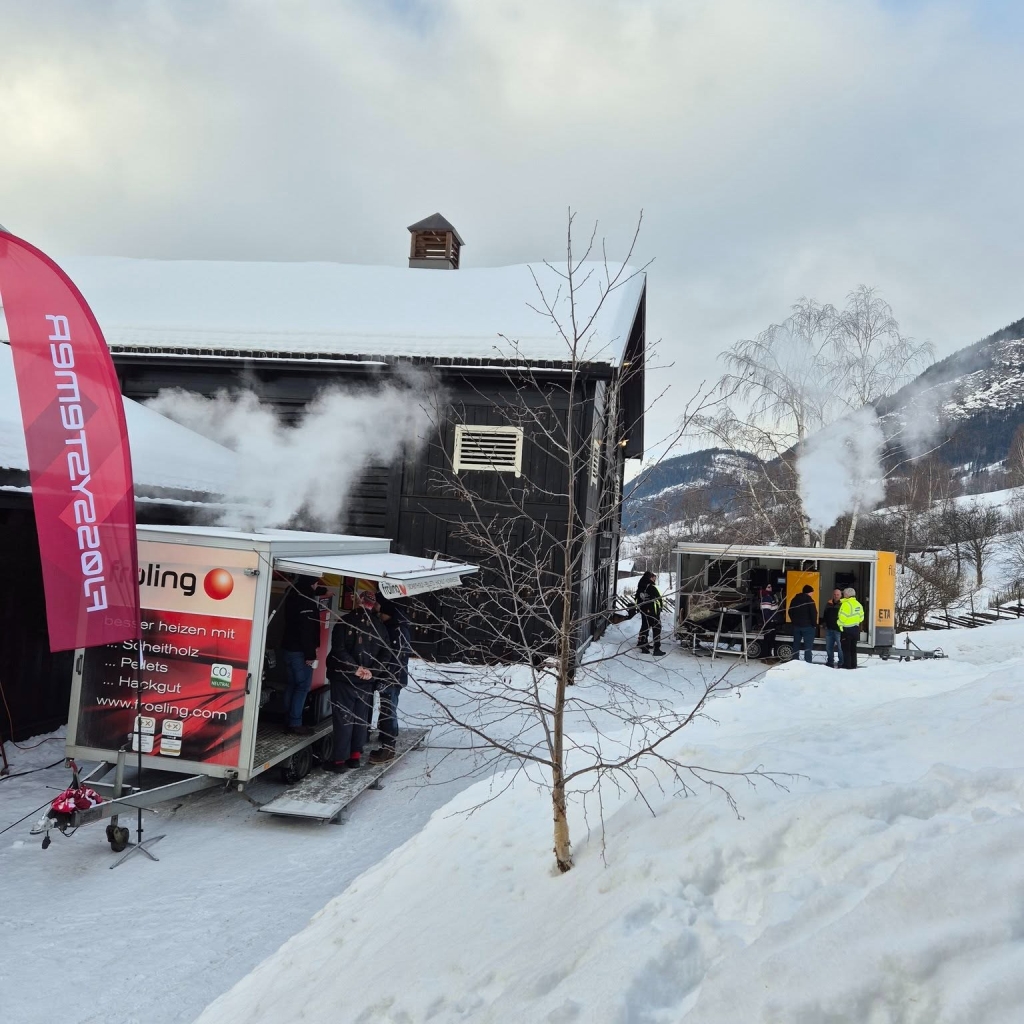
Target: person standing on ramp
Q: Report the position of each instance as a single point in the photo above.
(356, 666)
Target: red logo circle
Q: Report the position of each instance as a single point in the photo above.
(218, 584)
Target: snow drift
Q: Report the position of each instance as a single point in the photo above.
(881, 886)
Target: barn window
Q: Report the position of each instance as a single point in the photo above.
(499, 449)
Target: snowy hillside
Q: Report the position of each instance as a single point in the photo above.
(966, 407)
(659, 492)
(881, 884)
(986, 375)
(975, 397)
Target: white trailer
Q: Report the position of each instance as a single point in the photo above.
(209, 598)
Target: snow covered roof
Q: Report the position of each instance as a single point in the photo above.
(339, 311)
(165, 454)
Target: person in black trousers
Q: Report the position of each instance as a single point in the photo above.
(769, 607)
(648, 603)
(803, 616)
(299, 643)
(399, 632)
(356, 666)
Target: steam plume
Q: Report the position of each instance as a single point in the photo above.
(839, 468)
(308, 467)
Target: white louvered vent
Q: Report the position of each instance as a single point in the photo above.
(498, 449)
(595, 461)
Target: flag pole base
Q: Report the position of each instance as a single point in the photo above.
(138, 848)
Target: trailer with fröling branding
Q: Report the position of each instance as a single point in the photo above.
(201, 695)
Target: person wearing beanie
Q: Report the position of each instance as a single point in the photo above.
(768, 604)
(803, 614)
(648, 603)
(356, 666)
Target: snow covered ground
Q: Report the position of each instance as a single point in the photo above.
(154, 943)
(884, 883)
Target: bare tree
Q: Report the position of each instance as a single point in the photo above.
(922, 587)
(808, 373)
(979, 528)
(1015, 457)
(782, 377)
(871, 358)
(532, 703)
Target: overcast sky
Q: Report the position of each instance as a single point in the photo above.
(778, 148)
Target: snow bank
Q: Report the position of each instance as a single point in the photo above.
(881, 885)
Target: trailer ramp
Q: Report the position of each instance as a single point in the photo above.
(322, 796)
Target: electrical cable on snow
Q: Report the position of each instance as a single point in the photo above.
(10, 719)
(31, 771)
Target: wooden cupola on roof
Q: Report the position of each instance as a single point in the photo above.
(435, 244)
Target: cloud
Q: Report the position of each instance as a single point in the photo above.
(779, 150)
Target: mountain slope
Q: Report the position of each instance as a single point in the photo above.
(661, 491)
(973, 399)
(967, 406)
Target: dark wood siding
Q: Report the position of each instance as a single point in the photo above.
(412, 502)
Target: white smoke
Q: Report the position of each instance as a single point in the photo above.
(840, 469)
(306, 468)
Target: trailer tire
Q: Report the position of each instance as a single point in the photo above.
(297, 766)
(753, 648)
(117, 837)
(784, 651)
(323, 749)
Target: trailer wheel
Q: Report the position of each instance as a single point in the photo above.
(783, 651)
(297, 766)
(117, 837)
(753, 648)
(323, 749)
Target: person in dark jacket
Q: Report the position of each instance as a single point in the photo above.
(399, 633)
(356, 666)
(803, 615)
(299, 643)
(833, 637)
(648, 603)
(768, 605)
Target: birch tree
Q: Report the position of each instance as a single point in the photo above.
(870, 358)
(817, 368)
(531, 703)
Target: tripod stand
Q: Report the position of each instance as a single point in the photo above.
(140, 845)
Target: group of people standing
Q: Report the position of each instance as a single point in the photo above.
(841, 617)
(370, 649)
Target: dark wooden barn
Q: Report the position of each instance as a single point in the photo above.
(286, 331)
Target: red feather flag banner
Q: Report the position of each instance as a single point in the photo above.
(80, 465)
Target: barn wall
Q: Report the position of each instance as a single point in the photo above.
(410, 502)
(36, 683)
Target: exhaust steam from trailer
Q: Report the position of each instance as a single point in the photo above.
(305, 469)
(840, 468)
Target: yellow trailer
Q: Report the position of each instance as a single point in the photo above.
(718, 588)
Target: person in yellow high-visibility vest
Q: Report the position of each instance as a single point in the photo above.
(851, 615)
